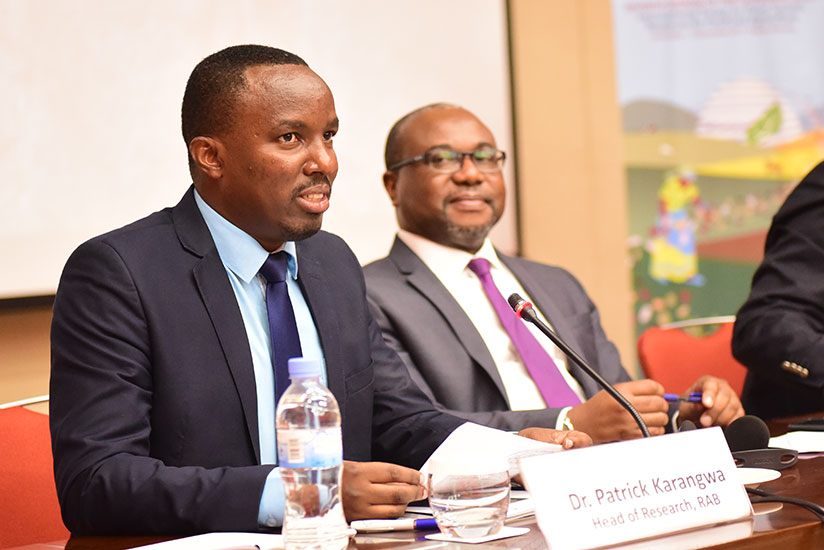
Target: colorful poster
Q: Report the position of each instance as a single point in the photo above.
(723, 113)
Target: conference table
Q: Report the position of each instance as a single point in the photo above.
(786, 526)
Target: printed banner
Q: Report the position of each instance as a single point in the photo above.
(723, 109)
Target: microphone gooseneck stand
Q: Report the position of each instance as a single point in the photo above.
(525, 311)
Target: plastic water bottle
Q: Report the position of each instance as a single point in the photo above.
(310, 456)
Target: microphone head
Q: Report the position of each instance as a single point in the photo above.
(746, 433)
(522, 308)
(686, 425)
(515, 300)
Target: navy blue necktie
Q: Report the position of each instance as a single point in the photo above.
(282, 327)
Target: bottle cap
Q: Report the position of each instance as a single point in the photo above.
(305, 367)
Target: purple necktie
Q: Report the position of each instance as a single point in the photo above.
(554, 389)
(282, 328)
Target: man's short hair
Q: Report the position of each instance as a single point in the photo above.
(392, 152)
(213, 86)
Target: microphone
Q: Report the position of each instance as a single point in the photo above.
(747, 433)
(687, 425)
(748, 438)
(525, 311)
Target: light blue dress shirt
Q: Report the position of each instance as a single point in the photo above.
(242, 256)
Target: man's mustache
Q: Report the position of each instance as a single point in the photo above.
(319, 181)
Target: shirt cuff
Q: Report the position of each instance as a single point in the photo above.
(562, 419)
(270, 513)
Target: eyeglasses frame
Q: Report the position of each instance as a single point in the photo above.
(422, 157)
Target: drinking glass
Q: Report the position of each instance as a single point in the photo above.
(469, 498)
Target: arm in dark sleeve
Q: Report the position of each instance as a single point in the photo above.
(583, 331)
(501, 419)
(407, 428)
(782, 321)
(105, 394)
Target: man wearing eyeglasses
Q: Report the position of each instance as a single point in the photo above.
(439, 298)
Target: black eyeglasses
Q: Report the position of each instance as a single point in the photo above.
(449, 161)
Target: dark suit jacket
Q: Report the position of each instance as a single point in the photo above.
(153, 407)
(447, 356)
(779, 331)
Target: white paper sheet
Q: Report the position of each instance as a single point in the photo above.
(221, 541)
(801, 441)
(475, 440)
(504, 533)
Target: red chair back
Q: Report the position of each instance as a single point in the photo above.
(676, 359)
(29, 512)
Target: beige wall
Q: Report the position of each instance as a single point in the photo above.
(572, 192)
(24, 353)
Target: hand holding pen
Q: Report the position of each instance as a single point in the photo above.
(694, 397)
(710, 401)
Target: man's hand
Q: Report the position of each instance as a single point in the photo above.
(378, 489)
(568, 439)
(605, 420)
(719, 405)
(309, 498)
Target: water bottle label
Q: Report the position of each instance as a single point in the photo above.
(302, 448)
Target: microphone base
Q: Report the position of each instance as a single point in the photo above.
(772, 458)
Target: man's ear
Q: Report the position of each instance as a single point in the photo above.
(207, 157)
(390, 183)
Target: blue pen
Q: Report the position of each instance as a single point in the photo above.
(694, 397)
(385, 525)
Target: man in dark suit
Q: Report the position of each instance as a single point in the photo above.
(162, 390)
(444, 179)
(779, 331)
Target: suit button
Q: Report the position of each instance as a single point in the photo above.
(795, 368)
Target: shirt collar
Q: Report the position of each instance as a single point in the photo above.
(445, 260)
(238, 251)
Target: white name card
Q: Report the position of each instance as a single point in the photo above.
(633, 490)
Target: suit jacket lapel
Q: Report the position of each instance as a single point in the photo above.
(317, 289)
(221, 305)
(546, 305)
(427, 284)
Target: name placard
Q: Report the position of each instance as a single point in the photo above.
(633, 490)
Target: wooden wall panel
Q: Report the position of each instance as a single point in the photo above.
(571, 183)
